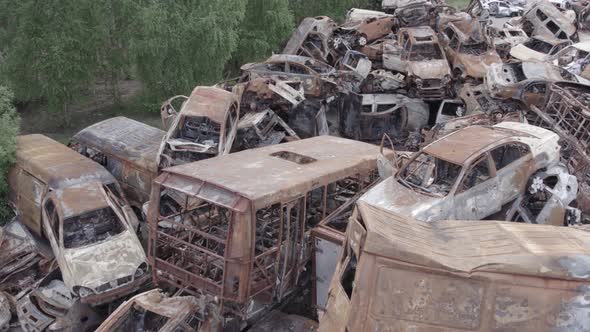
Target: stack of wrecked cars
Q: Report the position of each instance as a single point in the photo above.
(418, 167)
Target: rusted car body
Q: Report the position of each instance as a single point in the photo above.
(368, 117)
(472, 99)
(155, 311)
(316, 76)
(417, 54)
(311, 39)
(564, 110)
(542, 18)
(257, 129)
(574, 58)
(538, 48)
(400, 274)
(360, 28)
(237, 226)
(470, 174)
(504, 81)
(78, 207)
(506, 38)
(469, 49)
(205, 127)
(128, 149)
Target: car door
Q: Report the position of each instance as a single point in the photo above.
(392, 56)
(476, 195)
(30, 195)
(52, 229)
(513, 163)
(311, 83)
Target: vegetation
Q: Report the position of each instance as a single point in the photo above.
(57, 53)
(9, 124)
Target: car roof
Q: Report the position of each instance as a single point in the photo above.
(266, 175)
(477, 246)
(584, 46)
(80, 199)
(56, 164)
(211, 102)
(460, 145)
(130, 140)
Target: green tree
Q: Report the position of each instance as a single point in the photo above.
(180, 44)
(267, 26)
(51, 50)
(9, 127)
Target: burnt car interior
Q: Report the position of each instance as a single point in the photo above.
(430, 175)
(91, 227)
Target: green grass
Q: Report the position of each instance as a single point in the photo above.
(459, 4)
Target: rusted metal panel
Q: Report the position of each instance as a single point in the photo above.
(497, 275)
(155, 311)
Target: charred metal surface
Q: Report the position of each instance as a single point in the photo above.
(128, 149)
(446, 276)
(205, 127)
(220, 226)
(156, 311)
(543, 18)
(539, 48)
(417, 54)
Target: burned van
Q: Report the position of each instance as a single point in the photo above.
(400, 274)
(237, 227)
(128, 149)
(78, 207)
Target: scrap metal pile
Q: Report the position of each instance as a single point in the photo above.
(379, 143)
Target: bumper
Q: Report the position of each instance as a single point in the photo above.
(115, 293)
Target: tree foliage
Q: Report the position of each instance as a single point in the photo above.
(52, 50)
(180, 44)
(266, 27)
(9, 127)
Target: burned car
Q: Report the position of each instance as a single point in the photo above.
(507, 80)
(316, 76)
(574, 58)
(502, 8)
(469, 174)
(155, 311)
(311, 39)
(538, 48)
(542, 18)
(128, 149)
(237, 227)
(368, 117)
(400, 274)
(469, 49)
(257, 129)
(506, 38)
(417, 54)
(360, 28)
(78, 206)
(205, 127)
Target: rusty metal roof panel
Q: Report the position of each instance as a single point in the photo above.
(56, 164)
(457, 147)
(125, 138)
(79, 199)
(213, 103)
(278, 172)
(479, 246)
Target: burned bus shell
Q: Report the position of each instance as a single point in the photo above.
(399, 274)
(238, 226)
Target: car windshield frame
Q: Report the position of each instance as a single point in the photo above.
(439, 165)
(91, 239)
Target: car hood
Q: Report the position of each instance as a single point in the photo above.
(94, 265)
(524, 53)
(429, 69)
(399, 199)
(476, 66)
